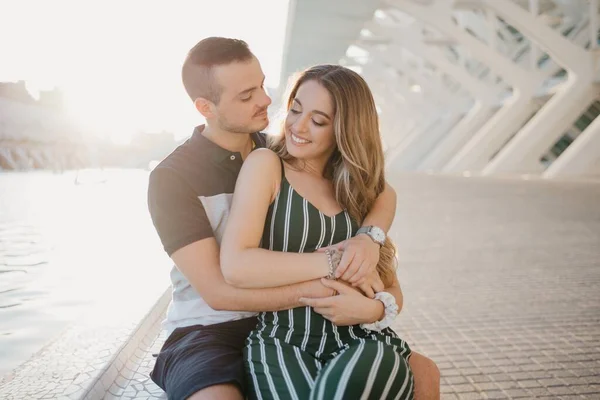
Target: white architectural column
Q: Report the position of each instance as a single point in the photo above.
(416, 145)
(483, 94)
(580, 156)
(411, 153)
(415, 115)
(6, 155)
(22, 159)
(457, 138)
(427, 123)
(594, 25)
(414, 109)
(513, 114)
(558, 114)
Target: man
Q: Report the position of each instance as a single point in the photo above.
(189, 197)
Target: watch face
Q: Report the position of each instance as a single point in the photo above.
(378, 235)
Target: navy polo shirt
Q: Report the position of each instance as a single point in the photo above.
(190, 191)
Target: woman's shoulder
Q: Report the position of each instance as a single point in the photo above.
(263, 159)
(264, 154)
(265, 165)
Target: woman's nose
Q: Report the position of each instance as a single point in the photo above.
(301, 124)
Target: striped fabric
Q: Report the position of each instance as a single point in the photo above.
(298, 354)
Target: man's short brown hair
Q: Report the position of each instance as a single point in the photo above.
(197, 72)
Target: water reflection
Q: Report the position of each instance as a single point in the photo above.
(68, 243)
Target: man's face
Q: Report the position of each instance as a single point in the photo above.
(243, 104)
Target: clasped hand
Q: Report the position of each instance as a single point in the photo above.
(361, 255)
(348, 306)
(352, 301)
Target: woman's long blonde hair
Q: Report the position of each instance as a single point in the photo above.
(356, 167)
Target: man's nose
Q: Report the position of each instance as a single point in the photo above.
(267, 100)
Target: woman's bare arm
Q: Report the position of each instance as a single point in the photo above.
(243, 263)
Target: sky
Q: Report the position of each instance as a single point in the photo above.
(118, 61)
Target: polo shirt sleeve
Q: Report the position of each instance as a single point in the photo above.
(176, 210)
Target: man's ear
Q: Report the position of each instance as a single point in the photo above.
(204, 107)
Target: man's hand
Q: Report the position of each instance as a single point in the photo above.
(361, 255)
(348, 307)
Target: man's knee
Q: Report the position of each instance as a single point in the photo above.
(226, 391)
(427, 377)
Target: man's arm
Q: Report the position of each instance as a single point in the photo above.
(361, 253)
(384, 210)
(187, 236)
(382, 215)
(199, 263)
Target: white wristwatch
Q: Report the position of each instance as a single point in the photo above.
(374, 232)
(391, 312)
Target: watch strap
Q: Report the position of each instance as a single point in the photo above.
(367, 230)
(363, 229)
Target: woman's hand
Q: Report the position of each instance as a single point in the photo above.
(361, 255)
(371, 284)
(348, 307)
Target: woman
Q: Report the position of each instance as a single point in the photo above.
(317, 184)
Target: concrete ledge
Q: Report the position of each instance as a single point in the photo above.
(139, 385)
(92, 357)
(123, 371)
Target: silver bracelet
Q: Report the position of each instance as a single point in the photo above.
(333, 257)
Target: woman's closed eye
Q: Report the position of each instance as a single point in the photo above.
(317, 123)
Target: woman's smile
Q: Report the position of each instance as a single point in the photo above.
(298, 141)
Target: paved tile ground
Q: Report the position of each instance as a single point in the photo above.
(502, 284)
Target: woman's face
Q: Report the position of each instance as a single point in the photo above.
(309, 124)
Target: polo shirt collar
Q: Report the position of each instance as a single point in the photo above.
(216, 152)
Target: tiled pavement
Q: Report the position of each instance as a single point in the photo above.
(502, 288)
(502, 284)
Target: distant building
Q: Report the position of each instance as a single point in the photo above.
(54, 99)
(16, 91)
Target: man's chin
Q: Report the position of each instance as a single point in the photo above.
(248, 129)
(262, 125)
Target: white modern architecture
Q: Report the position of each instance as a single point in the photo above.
(483, 87)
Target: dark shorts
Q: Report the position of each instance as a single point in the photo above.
(199, 356)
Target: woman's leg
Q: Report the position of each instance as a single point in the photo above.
(277, 370)
(367, 369)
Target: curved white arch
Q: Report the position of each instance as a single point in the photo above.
(558, 114)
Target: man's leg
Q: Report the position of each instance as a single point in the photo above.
(204, 361)
(427, 377)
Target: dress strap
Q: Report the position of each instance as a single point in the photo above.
(282, 169)
(282, 182)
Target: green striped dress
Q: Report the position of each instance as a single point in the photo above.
(298, 354)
